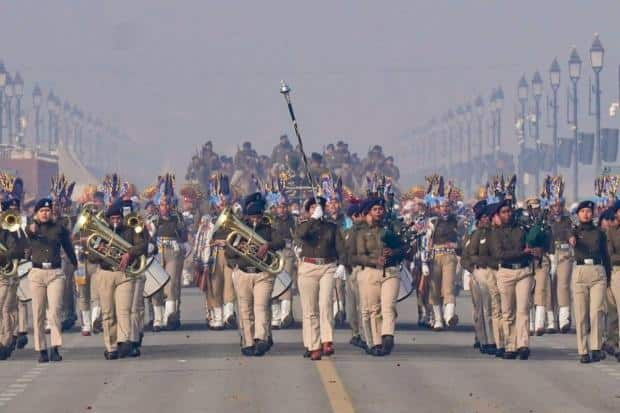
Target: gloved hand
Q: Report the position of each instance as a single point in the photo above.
(554, 265)
(318, 212)
(341, 272)
(426, 271)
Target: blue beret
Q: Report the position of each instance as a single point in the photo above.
(115, 210)
(480, 209)
(371, 202)
(254, 204)
(353, 209)
(585, 204)
(609, 214)
(12, 202)
(43, 203)
(494, 208)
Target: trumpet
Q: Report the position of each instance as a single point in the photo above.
(10, 221)
(10, 269)
(135, 221)
(245, 242)
(105, 244)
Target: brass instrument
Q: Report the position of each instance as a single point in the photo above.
(102, 242)
(10, 221)
(135, 221)
(245, 242)
(10, 269)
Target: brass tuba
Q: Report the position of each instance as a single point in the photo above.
(10, 269)
(10, 221)
(246, 243)
(104, 243)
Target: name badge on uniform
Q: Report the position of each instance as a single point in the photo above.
(483, 241)
(588, 261)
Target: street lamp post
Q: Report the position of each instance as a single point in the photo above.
(554, 79)
(596, 60)
(574, 72)
(522, 91)
(493, 110)
(37, 96)
(8, 93)
(2, 86)
(479, 107)
(537, 92)
(18, 90)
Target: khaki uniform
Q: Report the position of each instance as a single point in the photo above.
(116, 292)
(589, 286)
(613, 290)
(352, 300)
(378, 287)
(443, 266)
(514, 282)
(476, 259)
(137, 309)
(254, 290)
(47, 280)
(253, 298)
(321, 247)
(47, 289)
(6, 325)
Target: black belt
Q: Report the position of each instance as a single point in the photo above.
(481, 267)
(250, 270)
(589, 261)
(45, 266)
(514, 266)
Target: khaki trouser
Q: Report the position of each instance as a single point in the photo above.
(514, 288)
(290, 266)
(22, 317)
(611, 323)
(589, 285)
(561, 281)
(172, 261)
(221, 289)
(496, 308)
(69, 291)
(378, 295)
(483, 326)
(353, 301)
(137, 309)
(443, 276)
(254, 300)
(47, 289)
(6, 326)
(316, 283)
(87, 290)
(116, 296)
(542, 290)
(12, 307)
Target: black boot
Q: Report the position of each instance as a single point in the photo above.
(22, 340)
(13, 345)
(135, 349)
(491, 349)
(270, 342)
(510, 355)
(597, 355)
(43, 356)
(377, 351)
(54, 354)
(4, 353)
(248, 351)
(387, 342)
(261, 347)
(585, 359)
(110, 355)
(140, 339)
(124, 349)
(307, 354)
(524, 353)
(500, 352)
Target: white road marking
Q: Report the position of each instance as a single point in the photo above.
(18, 385)
(23, 380)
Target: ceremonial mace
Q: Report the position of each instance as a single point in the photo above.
(286, 90)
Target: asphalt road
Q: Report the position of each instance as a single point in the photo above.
(196, 370)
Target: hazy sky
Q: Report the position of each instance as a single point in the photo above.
(175, 73)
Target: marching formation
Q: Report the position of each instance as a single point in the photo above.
(348, 247)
